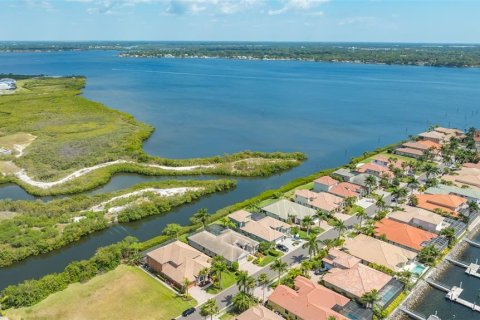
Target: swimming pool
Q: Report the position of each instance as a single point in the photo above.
(417, 268)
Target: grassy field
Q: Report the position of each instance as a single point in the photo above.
(125, 293)
(228, 279)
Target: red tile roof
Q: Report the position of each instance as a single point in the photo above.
(446, 202)
(403, 234)
(346, 190)
(409, 151)
(326, 180)
(309, 301)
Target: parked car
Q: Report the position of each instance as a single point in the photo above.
(320, 271)
(188, 312)
(282, 247)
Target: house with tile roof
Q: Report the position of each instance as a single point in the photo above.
(434, 136)
(354, 279)
(375, 170)
(403, 235)
(466, 176)
(231, 245)
(285, 210)
(348, 190)
(266, 229)
(258, 312)
(324, 201)
(308, 301)
(409, 152)
(423, 145)
(371, 250)
(448, 203)
(470, 193)
(323, 184)
(419, 217)
(177, 261)
(240, 217)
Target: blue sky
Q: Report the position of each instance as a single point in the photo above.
(238, 20)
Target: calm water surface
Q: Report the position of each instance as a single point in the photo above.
(208, 107)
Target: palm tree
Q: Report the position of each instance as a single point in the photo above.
(472, 210)
(413, 184)
(449, 234)
(380, 203)
(242, 280)
(430, 170)
(203, 274)
(263, 281)
(219, 265)
(201, 216)
(329, 243)
(242, 301)
(249, 285)
(321, 216)
(279, 266)
(307, 223)
(370, 298)
(371, 183)
(312, 245)
(227, 223)
(172, 229)
(361, 214)
(185, 284)
(340, 227)
(210, 308)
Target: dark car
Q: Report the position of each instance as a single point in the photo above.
(282, 247)
(188, 312)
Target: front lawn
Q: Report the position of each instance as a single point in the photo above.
(124, 293)
(228, 279)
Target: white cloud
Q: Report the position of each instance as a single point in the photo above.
(368, 20)
(297, 5)
(214, 7)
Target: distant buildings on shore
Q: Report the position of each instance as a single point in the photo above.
(8, 84)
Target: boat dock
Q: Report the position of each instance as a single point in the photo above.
(472, 269)
(473, 243)
(417, 315)
(453, 294)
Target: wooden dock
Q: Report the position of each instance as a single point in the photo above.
(473, 243)
(417, 315)
(472, 269)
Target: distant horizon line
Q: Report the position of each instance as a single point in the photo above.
(251, 41)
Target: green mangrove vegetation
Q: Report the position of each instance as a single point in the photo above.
(62, 143)
(35, 227)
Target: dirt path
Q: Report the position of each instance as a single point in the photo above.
(22, 174)
(161, 192)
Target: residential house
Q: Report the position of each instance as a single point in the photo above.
(448, 203)
(258, 312)
(361, 180)
(451, 133)
(178, 261)
(468, 175)
(308, 301)
(348, 190)
(423, 145)
(286, 211)
(266, 229)
(371, 250)
(229, 244)
(409, 152)
(471, 193)
(419, 217)
(353, 279)
(403, 235)
(434, 136)
(375, 170)
(323, 184)
(240, 217)
(343, 174)
(324, 201)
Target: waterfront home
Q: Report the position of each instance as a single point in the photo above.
(467, 176)
(307, 301)
(324, 201)
(348, 190)
(423, 145)
(286, 211)
(371, 250)
(361, 180)
(353, 279)
(375, 170)
(419, 217)
(471, 194)
(323, 184)
(385, 161)
(441, 135)
(8, 84)
(178, 261)
(231, 245)
(448, 203)
(240, 217)
(403, 235)
(451, 132)
(258, 312)
(343, 174)
(409, 152)
(266, 229)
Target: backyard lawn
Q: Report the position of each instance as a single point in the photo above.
(228, 279)
(124, 293)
